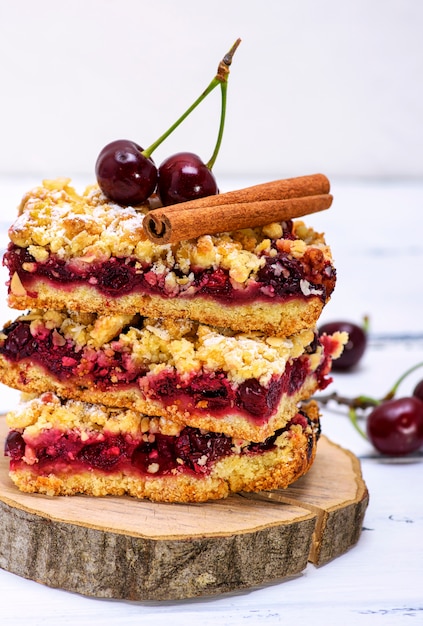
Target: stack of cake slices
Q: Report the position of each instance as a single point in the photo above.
(179, 372)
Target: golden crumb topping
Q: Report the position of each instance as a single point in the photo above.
(187, 346)
(48, 411)
(87, 228)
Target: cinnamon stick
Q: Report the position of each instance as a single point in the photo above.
(253, 206)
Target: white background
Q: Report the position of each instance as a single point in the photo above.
(316, 85)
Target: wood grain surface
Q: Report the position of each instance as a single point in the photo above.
(124, 548)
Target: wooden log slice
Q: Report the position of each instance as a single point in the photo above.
(335, 491)
(129, 549)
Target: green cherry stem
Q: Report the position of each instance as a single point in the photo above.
(352, 414)
(359, 402)
(366, 402)
(212, 160)
(220, 78)
(223, 73)
(366, 324)
(391, 393)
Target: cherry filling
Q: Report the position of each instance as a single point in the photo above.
(280, 278)
(14, 446)
(214, 393)
(202, 393)
(192, 451)
(62, 360)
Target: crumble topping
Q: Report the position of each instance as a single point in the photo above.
(48, 411)
(36, 416)
(87, 228)
(186, 345)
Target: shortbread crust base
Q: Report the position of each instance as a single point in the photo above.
(271, 318)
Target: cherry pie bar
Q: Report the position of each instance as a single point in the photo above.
(244, 385)
(178, 372)
(83, 252)
(65, 447)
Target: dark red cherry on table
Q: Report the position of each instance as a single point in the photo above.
(395, 427)
(355, 347)
(124, 174)
(418, 390)
(183, 177)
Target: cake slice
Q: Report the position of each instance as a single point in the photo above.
(68, 447)
(82, 252)
(242, 384)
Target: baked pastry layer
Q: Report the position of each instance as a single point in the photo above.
(84, 253)
(245, 385)
(61, 447)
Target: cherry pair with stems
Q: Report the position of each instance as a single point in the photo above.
(394, 424)
(127, 175)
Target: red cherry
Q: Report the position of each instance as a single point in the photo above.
(353, 350)
(395, 427)
(124, 174)
(183, 177)
(418, 390)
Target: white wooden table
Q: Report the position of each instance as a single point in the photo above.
(374, 229)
